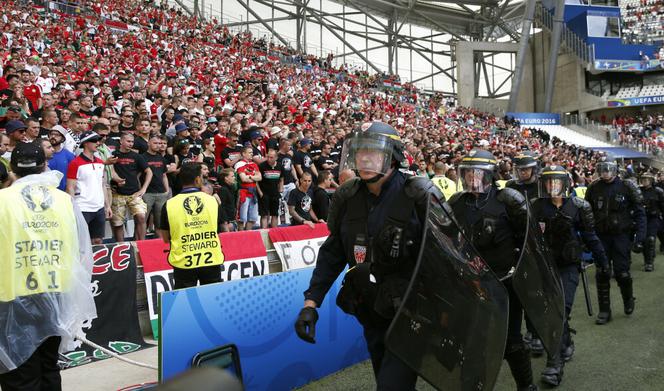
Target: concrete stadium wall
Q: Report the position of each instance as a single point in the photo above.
(466, 74)
(569, 94)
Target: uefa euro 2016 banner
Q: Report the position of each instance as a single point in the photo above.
(244, 256)
(628, 65)
(530, 119)
(638, 101)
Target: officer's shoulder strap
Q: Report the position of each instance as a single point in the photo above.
(419, 189)
(340, 197)
(659, 190)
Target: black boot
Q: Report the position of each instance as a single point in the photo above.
(649, 254)
(553, 373)
(604, 301)
(518, 358)
(625, 284)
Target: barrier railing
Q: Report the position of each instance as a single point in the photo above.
(569, 39)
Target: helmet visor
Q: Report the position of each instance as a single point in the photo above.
(475, 179)
(554, 187)
(367, 153)
(607, 171)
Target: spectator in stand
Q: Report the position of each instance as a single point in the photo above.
(228, 199)
(289, 175)
(299, 203)
(85, 182)
(77, 125)
(275, 137)
(302, 159)
(345, 176)
(141, 136)
(258, 148)
(61, 156)
(233, 152)
(49, 119)
(157, 192)
(249, 175)
(320, 203)
(128, 197)
(269, 190)
(4, 147)
(15, 130)
(46, 146)
(32, 129)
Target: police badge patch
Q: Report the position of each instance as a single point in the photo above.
(360, 253)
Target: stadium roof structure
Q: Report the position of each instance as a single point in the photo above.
(383, 26)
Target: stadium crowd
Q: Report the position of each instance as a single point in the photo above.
(640, 132)
(267, 123)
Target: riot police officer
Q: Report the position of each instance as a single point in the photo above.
(618, 210)
(494, 220)
(526, 171)
(376, 223)
(653, 198)
(567, 224)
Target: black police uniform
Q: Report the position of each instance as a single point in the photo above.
(620, 220)
(653, 199)
(363, 231)
(660, 231)
(495, 223)
(567, 229)
(529, 190)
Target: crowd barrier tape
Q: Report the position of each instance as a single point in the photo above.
(257, 315)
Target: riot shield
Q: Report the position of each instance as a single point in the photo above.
(537, 284)
(451, 326)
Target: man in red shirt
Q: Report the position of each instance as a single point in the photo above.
(249, 174)
(31, 91)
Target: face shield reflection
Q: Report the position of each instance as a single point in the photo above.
(475, 180)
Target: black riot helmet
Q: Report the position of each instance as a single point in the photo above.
(554, 182)
(607, 169)
(477, 171)
(647, 179)
(372, 148)
(525, 167)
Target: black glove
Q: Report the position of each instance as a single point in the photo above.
(637, 247)
(307, 319)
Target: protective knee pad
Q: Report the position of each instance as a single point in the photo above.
(603, 274)
(623, 277)
(518, 358)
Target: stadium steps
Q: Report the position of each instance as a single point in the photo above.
(574, 137)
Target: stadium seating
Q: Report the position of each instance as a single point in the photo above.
(643, 20)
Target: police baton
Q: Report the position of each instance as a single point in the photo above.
(586, 290)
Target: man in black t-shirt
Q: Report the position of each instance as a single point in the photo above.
(157, 192)
(299, 203)
(269, 190)
(129, 196)
(289, 175)
(302, 159)
(321, 196)
(232, 153)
